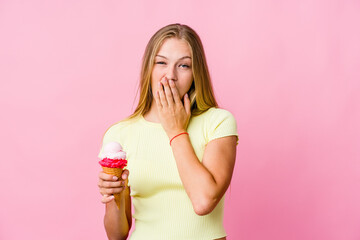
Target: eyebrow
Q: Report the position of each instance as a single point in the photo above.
(179, 58)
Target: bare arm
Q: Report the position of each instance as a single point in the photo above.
(117, 222)
(212, 176)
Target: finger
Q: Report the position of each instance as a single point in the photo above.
(162, 96)
(108, 184)
(110, 191)
(107, 198)
(107, 177)
(175, 92)
(157, 100)
(168, 93)
(187, 104)
(125, 174)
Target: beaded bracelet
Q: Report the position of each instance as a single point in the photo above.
(178, 135)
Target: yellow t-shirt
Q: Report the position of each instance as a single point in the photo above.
(163, 210)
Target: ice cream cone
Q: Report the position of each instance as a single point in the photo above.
(115, 172)
(113, 161)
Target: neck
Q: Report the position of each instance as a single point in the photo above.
(152, 115)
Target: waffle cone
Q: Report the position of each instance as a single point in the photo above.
(115, 172)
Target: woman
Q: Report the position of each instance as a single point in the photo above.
(180, 147)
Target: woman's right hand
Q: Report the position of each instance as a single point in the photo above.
(109, 185)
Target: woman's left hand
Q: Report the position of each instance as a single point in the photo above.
(174, 115)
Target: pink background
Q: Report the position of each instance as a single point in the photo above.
(287, 70)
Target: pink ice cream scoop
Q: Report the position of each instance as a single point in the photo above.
(113, 156)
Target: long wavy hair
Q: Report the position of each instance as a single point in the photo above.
(201, 92)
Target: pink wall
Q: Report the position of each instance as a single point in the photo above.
(288, 71)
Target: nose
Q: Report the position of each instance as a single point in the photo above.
(171, 73)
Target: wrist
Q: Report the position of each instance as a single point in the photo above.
(178, 135)
(173, 133)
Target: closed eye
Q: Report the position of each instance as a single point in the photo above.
(184, 66)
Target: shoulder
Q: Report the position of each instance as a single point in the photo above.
(219, 111)
(120, 127)
(118, 132)
(219, 123)
(216, 114)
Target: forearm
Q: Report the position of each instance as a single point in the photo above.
(198, 182)
(116, 223)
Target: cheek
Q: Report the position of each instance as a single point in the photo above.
(189, 81)
(185, 85)
(155, 77)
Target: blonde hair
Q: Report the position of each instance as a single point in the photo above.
(201, 92)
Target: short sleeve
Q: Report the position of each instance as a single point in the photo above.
(222, 124)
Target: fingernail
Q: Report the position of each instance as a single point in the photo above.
(171, 82)
(124, 176)
(115, 178)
